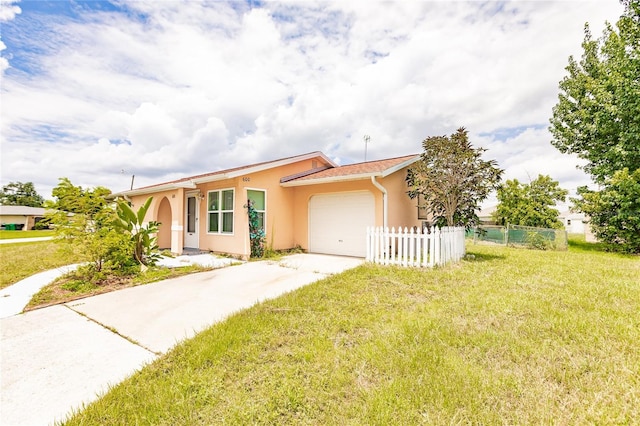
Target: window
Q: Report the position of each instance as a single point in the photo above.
(423, 213)
(220, 211)
(259, 199)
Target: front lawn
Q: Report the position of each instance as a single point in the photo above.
(508, 336)
(21, 260)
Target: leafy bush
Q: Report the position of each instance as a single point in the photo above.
(41, 224)
(113, 239)
(537, 241)
(614, 211)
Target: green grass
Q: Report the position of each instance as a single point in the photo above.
(509, 336)
(21, 260)
(10, 235)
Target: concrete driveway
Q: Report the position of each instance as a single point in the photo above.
(56, 359)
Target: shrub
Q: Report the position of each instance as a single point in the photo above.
(537, 241)
(142, 237)
(256, 233)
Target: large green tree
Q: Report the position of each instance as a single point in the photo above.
(84, 218)
(530, 204)
(451, 179)
(20, 194)
(75, 199)
(598, 118)
(597, 115)
(614, 211)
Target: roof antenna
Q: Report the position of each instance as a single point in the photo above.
(367, 138)
(123, 171)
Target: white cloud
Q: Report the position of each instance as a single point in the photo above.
(4, 63)
(169, 89)
(9, 10)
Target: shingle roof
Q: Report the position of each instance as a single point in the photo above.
(369, 168)
(327, 172)
(226, 173)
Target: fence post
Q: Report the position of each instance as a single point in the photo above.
(418, 247)
(400, 246)
(412, 248)
(506, 235)
(380, 245)
(385, 242)
(405, 248)
(436, 246)
(427, 246)
(392, 257)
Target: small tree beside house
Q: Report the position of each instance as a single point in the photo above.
(451, 179)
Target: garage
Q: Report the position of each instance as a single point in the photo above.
(338, 222)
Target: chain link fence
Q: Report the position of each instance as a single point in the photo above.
(527, 236)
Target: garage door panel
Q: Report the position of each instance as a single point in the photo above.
(338, 222)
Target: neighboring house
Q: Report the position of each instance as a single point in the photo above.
(574, 223)
(306, 201)
(24, 217)
(486, 215)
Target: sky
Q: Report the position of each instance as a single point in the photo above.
(98, 91)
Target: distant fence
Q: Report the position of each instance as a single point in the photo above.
(540, 238)
(409, 247)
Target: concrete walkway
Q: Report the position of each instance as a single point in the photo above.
(57, 358)
(14, 298)
(24, 240)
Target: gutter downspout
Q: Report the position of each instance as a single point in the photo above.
(385, 202)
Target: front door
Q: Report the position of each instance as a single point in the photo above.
(191, 220)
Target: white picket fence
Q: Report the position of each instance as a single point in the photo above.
(409, 247)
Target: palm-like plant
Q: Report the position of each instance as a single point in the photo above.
(145, 248)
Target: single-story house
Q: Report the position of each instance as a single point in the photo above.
(23, 216)
(485, 215)
(305, 201)
(578, 223)
(574, 222)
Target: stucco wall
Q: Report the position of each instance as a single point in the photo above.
(403, 211)
(164, 216)
(287, 208)
(169, 225)
(280, 211)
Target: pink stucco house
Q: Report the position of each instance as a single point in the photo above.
(305, 200)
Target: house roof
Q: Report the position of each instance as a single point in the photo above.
(21, 211)
(192, 181)
(569, 214)
(366, 170)
(487, 212)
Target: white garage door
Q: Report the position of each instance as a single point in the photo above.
(338, 222)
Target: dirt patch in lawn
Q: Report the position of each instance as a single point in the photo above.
(71, 287)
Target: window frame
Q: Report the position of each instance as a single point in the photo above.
(221, 212)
